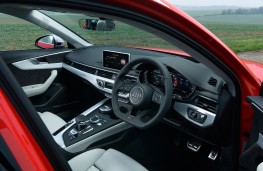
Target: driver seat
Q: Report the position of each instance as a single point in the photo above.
(96, 159)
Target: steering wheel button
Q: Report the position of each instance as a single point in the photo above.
(156, 97)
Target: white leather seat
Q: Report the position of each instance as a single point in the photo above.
(52, 121)
(260, 167)
(101, 160)
(96, 159)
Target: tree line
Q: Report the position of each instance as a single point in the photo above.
(243, 11)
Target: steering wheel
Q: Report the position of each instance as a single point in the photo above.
(141, 104)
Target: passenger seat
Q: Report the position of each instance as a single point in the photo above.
(52, 121)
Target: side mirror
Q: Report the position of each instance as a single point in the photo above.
(97, 24)
(50, 42)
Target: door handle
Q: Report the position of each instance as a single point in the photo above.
(33, 64)
(36, 89)
(37, 62)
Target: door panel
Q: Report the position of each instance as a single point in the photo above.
(253, 154)
(51, 55)
(66, 96)
(31, 77)
(34, 64)
(32, 67)
(39, 73)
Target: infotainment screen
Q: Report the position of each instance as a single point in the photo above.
(115, 60)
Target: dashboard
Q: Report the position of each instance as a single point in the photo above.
(197, 91)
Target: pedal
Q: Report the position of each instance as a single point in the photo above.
(194, 145)
(213, 154)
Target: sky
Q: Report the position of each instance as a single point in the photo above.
(239, 3)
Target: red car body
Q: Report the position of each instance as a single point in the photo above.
(28, 153)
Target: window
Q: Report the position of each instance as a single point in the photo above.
(122, 34)
(239, 24)
(18, 34)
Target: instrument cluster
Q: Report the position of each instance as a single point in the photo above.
(182, 88)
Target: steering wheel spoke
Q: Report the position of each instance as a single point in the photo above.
(123, 89)
(143, 116)
(128, 111)
(126, 86)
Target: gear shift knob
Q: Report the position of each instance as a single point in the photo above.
(81, 121)
(81, 118)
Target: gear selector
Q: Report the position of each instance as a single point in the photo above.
(82, 122)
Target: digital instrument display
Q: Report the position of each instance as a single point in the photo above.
(181, 85)
(115, 60)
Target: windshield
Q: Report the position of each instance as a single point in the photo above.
(239, 24)
(88, 28)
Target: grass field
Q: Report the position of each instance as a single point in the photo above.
(240, 33)
(201, 13)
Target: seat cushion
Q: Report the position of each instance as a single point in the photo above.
(86, 160)
(260, 167)
(101, 160)
(52, 121)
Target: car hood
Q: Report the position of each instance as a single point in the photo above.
(256, 68)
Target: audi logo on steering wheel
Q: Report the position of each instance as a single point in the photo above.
(136, 95)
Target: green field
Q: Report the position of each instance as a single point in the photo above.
(201, 13)
(240, 32)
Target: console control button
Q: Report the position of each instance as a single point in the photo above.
(100, 83)
(73, 134)
(86, 130)
(95, 119)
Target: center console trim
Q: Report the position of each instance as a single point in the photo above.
(83, 144)
(89, 77)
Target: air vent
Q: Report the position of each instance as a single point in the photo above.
(212, 81)
(105, 74)
(206, 104)
(68, 62)
(84, 68)
(78, 66)
(90, 70)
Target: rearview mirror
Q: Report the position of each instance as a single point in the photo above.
(97, 24)
(50, 42)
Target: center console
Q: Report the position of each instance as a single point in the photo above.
(92, 125)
